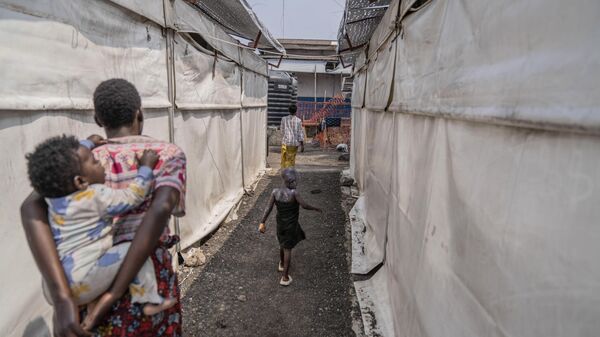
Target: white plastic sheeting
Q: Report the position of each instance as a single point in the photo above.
(479, 198)
(505, 62)
(106, 43)
(211, 141)
(54, 54)
(360, 20)
(203, 81)
(238, 18)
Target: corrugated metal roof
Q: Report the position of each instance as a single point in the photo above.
(237, 18)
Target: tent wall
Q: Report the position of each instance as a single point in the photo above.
(479, 171)
(54, 54)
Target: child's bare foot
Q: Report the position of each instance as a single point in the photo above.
(285, 281)
(87, 322)
(153, 309)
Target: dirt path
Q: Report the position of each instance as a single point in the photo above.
(236, 293)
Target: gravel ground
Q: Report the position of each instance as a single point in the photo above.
(237, 292)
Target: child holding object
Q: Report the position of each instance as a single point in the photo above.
(81, 210)
(289, 233)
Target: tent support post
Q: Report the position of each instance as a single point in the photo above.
(242, 128)
(171, 92)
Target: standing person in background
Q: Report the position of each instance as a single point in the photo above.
(292, 137)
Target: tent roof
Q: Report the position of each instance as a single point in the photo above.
(361, 18)
(237, 18)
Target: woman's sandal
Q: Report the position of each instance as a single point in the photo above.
(286, 283)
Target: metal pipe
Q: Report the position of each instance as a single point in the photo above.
(170, 50)
(242, 128)
(315, 83)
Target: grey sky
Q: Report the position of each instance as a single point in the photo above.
(305, 19)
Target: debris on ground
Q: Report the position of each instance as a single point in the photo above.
(346, 179)
(342, 148)
(194, 258)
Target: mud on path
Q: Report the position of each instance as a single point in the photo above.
(237, 292)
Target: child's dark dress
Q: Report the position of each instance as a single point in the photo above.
(289, 232)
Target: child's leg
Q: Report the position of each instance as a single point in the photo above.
(100, 277)
(144, 290)
(287, 260)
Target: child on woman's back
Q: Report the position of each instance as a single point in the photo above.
(81, 211)
(289, 233)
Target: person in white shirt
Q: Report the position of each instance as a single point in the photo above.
(292, 138)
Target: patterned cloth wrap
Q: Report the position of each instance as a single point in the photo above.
(288, 156)
(126, 318)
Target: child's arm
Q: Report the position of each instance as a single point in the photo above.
(303, 204)
(114, 202)
(262, 226)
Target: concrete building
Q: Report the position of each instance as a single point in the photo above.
(315, 65)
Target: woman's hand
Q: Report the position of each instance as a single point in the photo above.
(262, 228)
(66, 319)
(102, 307)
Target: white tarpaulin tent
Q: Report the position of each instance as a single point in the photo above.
(476, 149)
(54, 53)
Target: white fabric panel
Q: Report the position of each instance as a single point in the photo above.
(76, 44)
(211, 141)
(254, 133)
(358, 146)
(20, 131)
(374, 304)
(358, 89)
(502, 62)
(386, 25)
(405, 6)
(197, 88)
(152, 10)
(379, 148)
(254, 89)
(379, 78)
(361, 60)
(519, 261)
(353, 143)
(253, 62)
(408, 216)
(188, 19)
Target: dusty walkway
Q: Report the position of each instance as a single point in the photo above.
(237, 292)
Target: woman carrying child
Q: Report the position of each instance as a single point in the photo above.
(118, 110)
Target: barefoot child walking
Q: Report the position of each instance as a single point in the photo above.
(289, 233)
